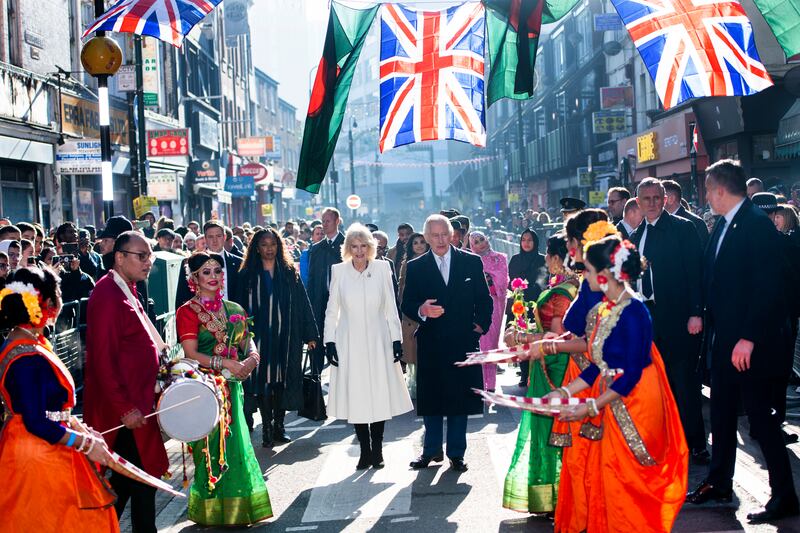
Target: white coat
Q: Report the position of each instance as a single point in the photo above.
(362, 320)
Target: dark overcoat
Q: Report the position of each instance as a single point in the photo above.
(443, 388)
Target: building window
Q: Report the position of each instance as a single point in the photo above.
(12, 19)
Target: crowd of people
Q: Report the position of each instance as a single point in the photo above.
(633, 308)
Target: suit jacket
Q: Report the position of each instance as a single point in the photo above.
(699, 224)
(232, 265)
(673, 251)
(623, 230)
(320, 260)
(443, 388)
(743, 295)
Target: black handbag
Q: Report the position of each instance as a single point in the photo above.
(313, 402)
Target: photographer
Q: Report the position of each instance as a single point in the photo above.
(90, 261)
(75, 283)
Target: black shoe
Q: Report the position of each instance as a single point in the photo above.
(266, 435)
(423, 461)
(280, 434)
(706, 492)
(365, 460)
(700, 457)
(377, 458)
(523, 384)
(458, 464)
(771, 515)
(789, 438)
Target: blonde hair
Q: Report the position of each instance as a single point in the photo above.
(359, 232)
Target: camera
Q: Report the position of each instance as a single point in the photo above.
(31, 261)
(66, 259)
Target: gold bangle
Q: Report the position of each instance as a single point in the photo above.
(541, 349)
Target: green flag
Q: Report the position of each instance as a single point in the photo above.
(512, 32)
(347, 31)
(783, 18)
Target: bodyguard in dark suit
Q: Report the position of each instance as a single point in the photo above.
(672, 290)
(674, 206)
(631, 219)
(446, 293)
(214, 232)
(321, 257)
(745, 314)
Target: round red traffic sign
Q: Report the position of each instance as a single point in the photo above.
(354, 201)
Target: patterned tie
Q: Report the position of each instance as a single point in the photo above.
(443, 269)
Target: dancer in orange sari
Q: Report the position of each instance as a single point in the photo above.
(47, 484)
(636, 470)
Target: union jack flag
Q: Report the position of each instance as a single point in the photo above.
(431, 75)
(167, 20)
(695, 48)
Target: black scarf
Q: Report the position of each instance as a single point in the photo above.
(269, 302)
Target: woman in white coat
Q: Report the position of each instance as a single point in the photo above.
(363, 345)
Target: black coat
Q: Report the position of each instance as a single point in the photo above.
(699, 224)
(743, 295)
(442, 387)
(299, 329)
(623, 230)
(320, 259)
(531, 268)
(232, 265)
(673, 251)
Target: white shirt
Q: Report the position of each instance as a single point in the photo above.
(630, 229)
(445, 270)
(728, 220)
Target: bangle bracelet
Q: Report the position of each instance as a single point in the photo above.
(71, 439)
(541, 349)
(84, 443)
(565, 390)
(92, 442)
(591, 405)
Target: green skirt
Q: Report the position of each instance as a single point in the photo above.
(531, 485)
(240, 496)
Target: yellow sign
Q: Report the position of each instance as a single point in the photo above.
(266, 210)
(82, 117)
(309, 211)
(597, 197)
(143, 204)
(647, 147)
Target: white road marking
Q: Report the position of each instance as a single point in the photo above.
(404, 519)
(474, 416)
(312, 428)
(302, 528)
(343, 493)
(296, 422)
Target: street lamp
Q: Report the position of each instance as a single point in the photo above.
(101, 57)
(353, 124)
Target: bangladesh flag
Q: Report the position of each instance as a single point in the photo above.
(347, 31)
(512, 31)
(783, 18)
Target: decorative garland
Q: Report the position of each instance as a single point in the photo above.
(30, 298)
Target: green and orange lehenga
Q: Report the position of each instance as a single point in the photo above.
(228, 487)
(531, 484)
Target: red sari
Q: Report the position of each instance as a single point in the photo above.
(47, 487)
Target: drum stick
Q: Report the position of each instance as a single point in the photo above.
(184, 402)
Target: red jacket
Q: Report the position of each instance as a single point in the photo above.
(120, 374)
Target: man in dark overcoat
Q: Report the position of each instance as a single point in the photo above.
(446, 293)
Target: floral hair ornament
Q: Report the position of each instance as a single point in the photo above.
(618, 257)
(30, 298)
(602, 281)
(596, 231)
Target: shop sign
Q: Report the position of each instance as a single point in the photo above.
(273, 147)
(607, 22)
(597, 198)
(82, 118)
(585, 177)
(646, 147)
(168, 143)
(251, 146)
(208, 131)
(240, 186)
(79, 157)
(204, 171)
(143, 204)
(163, 186)
(266, 210)
(608, 121)
(150, 71)
(611, 97)
(259, 172)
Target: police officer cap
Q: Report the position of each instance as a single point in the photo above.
(569, 205)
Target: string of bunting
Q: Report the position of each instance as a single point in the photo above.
(391, 164)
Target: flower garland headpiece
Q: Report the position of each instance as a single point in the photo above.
(596, 231)
(618, 257)
(30, 298)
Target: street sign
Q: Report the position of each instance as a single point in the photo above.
(79, 157)
(240, 186)
(585, 177)
(266, 210)
(608, 121)
(163, 186)
(151, 78)
(597, 198)
(607, 22)
(353, 201)
(126, 78)
(259, 172)
(168, 143)
(309, 211)
(143, 204)
(251, 146)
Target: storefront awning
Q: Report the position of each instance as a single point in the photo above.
(787, 143)
(25, 150)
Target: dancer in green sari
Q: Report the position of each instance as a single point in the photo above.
(228, 487)
(532, 480)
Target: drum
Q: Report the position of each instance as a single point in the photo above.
(190, 404)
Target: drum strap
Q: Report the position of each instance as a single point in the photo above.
(137, 306)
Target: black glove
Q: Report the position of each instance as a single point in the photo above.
(332, 354)
(397, 349)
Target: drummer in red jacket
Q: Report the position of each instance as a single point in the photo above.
(122, 363)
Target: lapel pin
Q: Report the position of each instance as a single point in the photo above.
(734, 226)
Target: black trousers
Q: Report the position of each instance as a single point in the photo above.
(269, 405)
(727, 391)
(141, 496)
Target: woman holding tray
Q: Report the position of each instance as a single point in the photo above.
(635, 471)
(532, 478)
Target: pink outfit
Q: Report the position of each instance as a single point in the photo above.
(495, 267)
